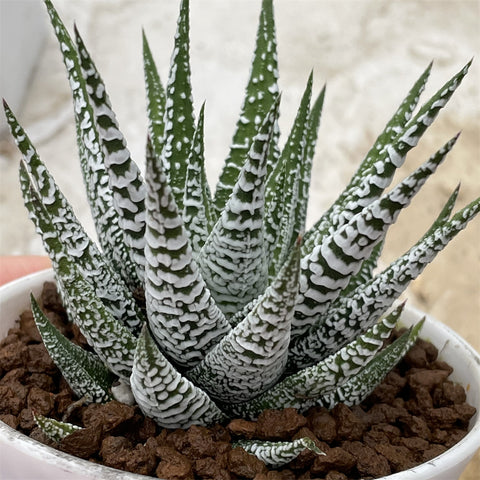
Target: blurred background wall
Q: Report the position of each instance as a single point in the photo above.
(369, 52)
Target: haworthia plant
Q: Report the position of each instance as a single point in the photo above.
(54, 429)
(208, 307)
(278, 454)
(85, 372)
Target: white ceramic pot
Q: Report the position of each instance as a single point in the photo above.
(22, 458)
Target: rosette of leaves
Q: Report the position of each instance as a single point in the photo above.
(208, 306)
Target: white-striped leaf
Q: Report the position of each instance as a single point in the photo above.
(66, 242)
(357, 389)
(284, 187)
(376, 172)
(125, 179)
(198, 212)
(327, 269)
(278, 454)
(182, 314)
(54, 429)
(86, 374)
(111, 341)
(163, 394)
(364, 305)
(92, 160)
(302, 389)
(232, 259)
(252, 357)
(260, 95)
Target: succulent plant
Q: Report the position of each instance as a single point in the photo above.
(205, 307)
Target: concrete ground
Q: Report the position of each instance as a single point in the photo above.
(369, 53)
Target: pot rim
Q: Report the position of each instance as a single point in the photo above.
(464, 449)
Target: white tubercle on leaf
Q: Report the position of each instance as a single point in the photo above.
(182, 314)
(253, 355)
(326, 271)
(232, 259)
(260, 94)
(86, 374)
(179, 124)
(364, 305)
(278, 454)
(164, 394)
(125, 180)
(64, 236)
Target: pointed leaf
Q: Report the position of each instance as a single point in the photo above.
(314, 118)
(244, 312)
(302, 389)
(182, 314)
(163, 394)
(125, 178)
(253, 355)
(62, 233)
(232, 259)
(261, 93)
(278, 454)
(328, 268)
(96, 178)
(155, 99)
(358, 388)
(287, 194)
(84, 372)
(179, 123)
(393, 128)
(379, 169)
(355, 313)
(112, 341)
(365, 273)
(197, 202)
(54, 429)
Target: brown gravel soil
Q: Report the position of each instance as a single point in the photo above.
(413, 416)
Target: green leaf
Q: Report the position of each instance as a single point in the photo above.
(179, 125)
(393, 128)
(62, 234)
(252, 357)
(198, 211)
(182, 314)
(364, 305)
(125, 178)
(260, 95)
(306, 165)
(358, 388)
(329, 267)
(54, 429)
(278, 454)
(302, 389)
(232, 259)
(284, 188)
(96, 178)
(94, 319)
(155, 99)
(163, 394)
(389, 153)
(113, 342)
(242, 314)
(365, 274)
(84, 372)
